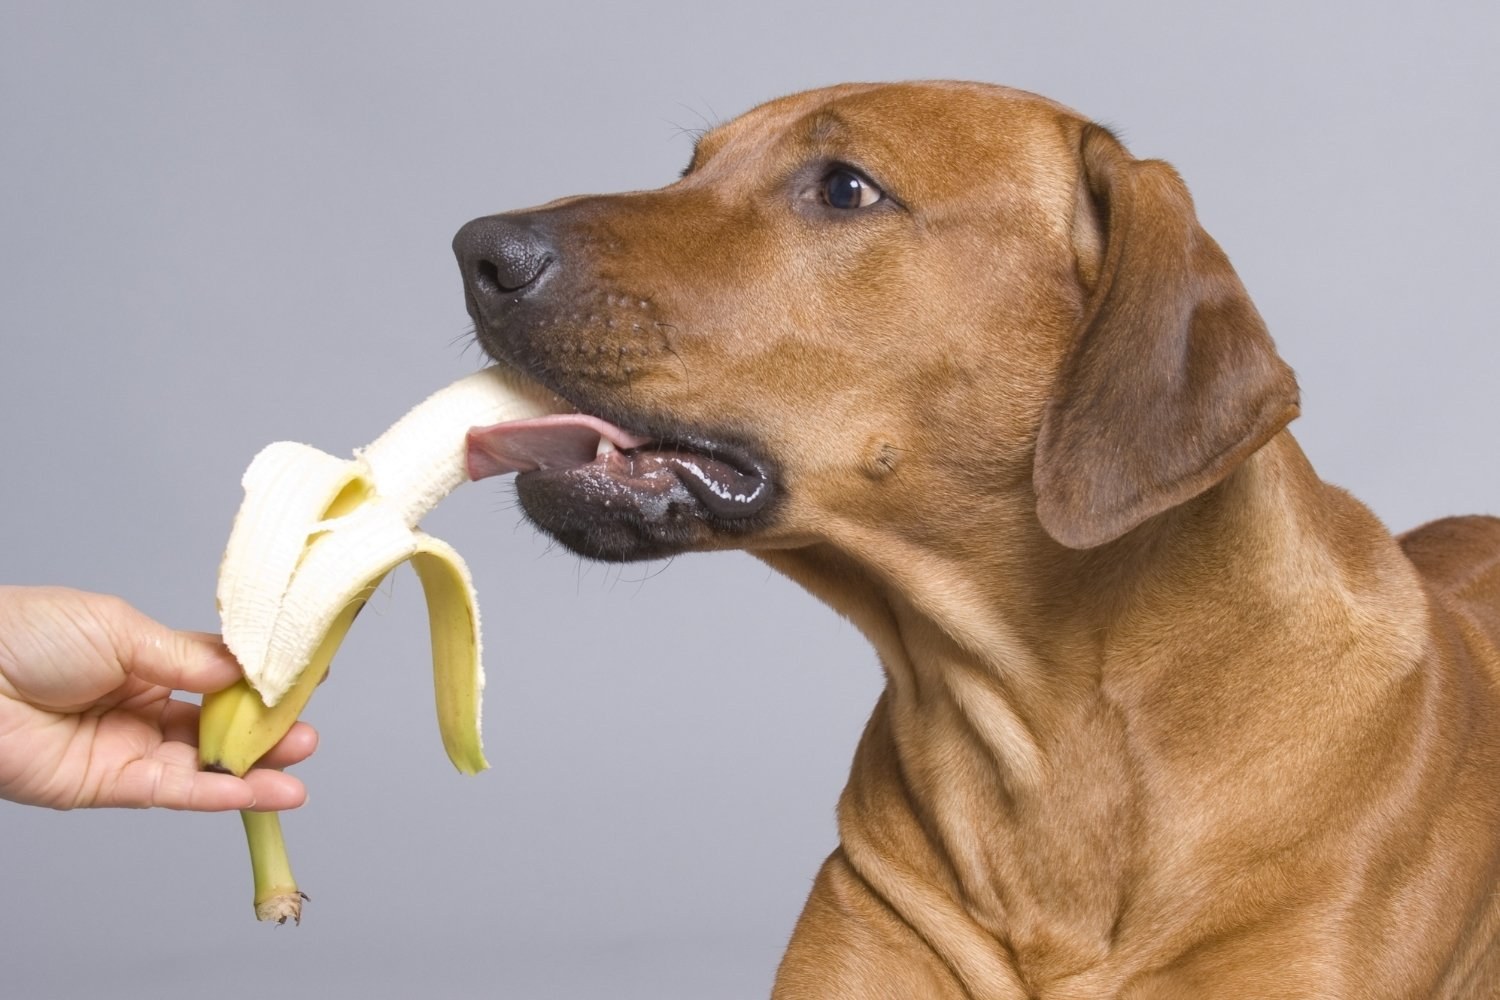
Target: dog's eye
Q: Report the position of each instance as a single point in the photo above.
(845, 188)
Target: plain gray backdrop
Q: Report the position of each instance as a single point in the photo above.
(224, 224)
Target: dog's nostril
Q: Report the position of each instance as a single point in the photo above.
(513, 269)
(487, 276)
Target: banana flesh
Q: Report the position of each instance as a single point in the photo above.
(314, 536)
(311, 522)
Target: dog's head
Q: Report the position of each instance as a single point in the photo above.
(933, 305)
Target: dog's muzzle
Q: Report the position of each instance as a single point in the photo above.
(617, 480)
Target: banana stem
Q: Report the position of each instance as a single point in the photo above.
(276, 894)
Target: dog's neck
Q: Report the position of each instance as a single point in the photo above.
(1060, 729)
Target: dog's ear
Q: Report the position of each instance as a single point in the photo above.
(1172, 379)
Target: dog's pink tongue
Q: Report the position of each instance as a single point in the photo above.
(558, 441)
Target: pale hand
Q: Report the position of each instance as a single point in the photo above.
(87, 716)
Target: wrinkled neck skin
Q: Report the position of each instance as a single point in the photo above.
(1076, 751)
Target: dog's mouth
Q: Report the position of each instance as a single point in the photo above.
(616, 494)
(595, 454)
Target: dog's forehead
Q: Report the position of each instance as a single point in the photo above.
(904, 124)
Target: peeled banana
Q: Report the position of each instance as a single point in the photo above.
(313, 538)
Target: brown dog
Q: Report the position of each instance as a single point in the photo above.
(1166, 715)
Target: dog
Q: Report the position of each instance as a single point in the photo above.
(1166, 716)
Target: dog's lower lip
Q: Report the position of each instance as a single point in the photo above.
(723, 489)
(723, 480)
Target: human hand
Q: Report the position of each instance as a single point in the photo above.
(87, 716)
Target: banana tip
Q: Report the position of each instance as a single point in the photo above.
(281, 908)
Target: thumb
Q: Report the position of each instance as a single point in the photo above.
(183, 661)
(149, 650)
(62, 648)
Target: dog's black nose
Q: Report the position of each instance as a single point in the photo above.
(502, 258)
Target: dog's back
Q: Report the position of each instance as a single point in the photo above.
(1459, 557)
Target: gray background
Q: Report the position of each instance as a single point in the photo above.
(224, 224)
